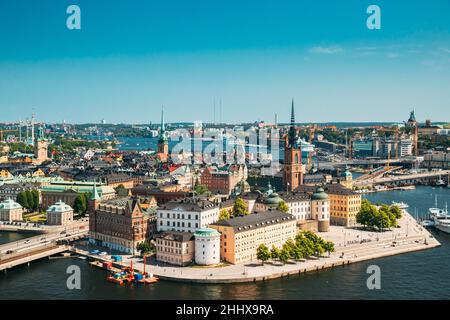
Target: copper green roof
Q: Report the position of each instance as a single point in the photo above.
(319, 194)
(206, 232)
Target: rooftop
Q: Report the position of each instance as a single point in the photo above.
(255, 220)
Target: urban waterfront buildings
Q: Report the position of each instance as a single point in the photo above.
(311, 210)
(10, 211)
(119, 224)
(187, 215)
(207, 246)
(59, 214)
(223, 179)
(68, 191)
(175, 247)
(241, 236)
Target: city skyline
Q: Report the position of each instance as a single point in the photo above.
(251, 58)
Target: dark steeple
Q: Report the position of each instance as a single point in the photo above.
(292, 133)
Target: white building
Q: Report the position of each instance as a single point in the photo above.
(59, 214)
(10, 211)
(186, 215)
(207, 246)
(302, 205)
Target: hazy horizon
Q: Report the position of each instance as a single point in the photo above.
(247, 58)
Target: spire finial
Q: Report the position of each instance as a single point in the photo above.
(162, 119)
(292, 113)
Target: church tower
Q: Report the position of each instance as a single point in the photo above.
(94, 201)
(163, 144)
(40, 147)
(293, 167)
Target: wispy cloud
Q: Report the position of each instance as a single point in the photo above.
(392, 55)
(326, 50)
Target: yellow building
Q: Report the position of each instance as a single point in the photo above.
(5, 174)
(344, 203)
(241, 236)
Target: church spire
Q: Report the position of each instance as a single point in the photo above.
(292, 113)
(292, 133)
(163, 127)
(95, 195)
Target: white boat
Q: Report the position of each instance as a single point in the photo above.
(401, 205)
(427, 223)
(440, 218)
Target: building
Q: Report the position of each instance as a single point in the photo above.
(382, 147)
(11, 190)
(59, 214)
(187, 215)
(241, 236)
(207, 246)
(437, 160)
(116, 179)
(224, 179)
(175, 248)
(310, 209)
(40, 148)
(344, 203)
(10, 211)
(119, 224)
(293, 168)
(67, 191)
(161, 194)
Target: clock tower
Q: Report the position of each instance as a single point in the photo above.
(293, 167)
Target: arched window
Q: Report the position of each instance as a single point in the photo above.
(296, 158)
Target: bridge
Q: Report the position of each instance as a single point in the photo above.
(367, 162)
(40, 246)
(406, 178)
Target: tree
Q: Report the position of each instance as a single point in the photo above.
(396, 211)
(36, 199)
(329, 247)
(284, 255)
(30, 200)
(263, 253)
(240, 207)
(274, 252)
(79, 205)
(145, 248)
(22, 199)
(282, 206)
(224, 215)
(200, 189)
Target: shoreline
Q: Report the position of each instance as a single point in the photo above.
(391, 243)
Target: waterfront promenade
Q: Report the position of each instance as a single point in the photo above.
(352, 246)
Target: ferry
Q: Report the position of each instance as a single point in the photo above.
(401, 205)
(440, 218)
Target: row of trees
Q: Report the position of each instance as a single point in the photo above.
(29, 199)
(305, 245)
(383, 217)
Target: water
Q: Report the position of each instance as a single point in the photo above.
(6, 237)
(419, 275)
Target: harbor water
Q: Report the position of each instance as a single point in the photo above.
(418, 275)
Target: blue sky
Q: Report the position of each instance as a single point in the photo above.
(131, 57)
